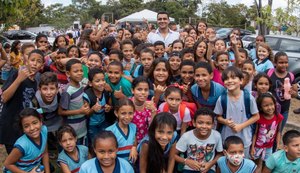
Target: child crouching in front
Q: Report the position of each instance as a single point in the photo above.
(203, 144)
(234, 160)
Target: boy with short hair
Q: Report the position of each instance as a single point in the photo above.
(18, 91)
(234, 160)
(236, 109)
(159, 49)
(71, 103)
(288, 159)
(187, 54)
(128, 60)
(203, 144)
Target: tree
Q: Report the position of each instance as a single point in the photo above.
(263, 16)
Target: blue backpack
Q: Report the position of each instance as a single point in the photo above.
(224, 99)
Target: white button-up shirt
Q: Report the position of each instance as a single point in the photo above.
(156, 36)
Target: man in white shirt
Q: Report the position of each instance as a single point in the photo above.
(163, 33)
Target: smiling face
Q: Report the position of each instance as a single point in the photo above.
(262, 53)
(293, 149)
(262, 85)
(163, 135)
(68, 142)
(163, 21)
(187, 74)
(222, 62)
(193, 33)
(76, 73)
(282, 64)
(233, 83)
(74, 52)
(189, 42)
(61, 42)
(114, 73)
(203, 125)
(175, 62)
(249, 69)
(94, 61)
(268, 106)
(141, 92)
(106, 152)
(32, 127)
(127, 50)
(202, 77)
(159, 51)
(160, 73)
(98, 82)
(177, 47)
(125, 114)
(48, 92)
(201, 27)
(84, 49)
(35, 63)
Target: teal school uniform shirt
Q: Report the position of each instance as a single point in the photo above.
(126, 87)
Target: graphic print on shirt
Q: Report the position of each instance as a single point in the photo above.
(200, 154)
(266, 133)
(279, 90)
(28, 94)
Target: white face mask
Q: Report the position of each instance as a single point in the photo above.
(235, 159)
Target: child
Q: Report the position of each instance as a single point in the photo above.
(15, 54)
(99, 102)
(258, 39)
(187, 71)
(246, 81)
(154, 149)
(205, 91)
(115, 55)
(145, 110)
(221, 63)
(234, 160)
(94, 60)
(267, 130)
(189, 42)
(187, 54)
(242, 58)
(236, 109)
(288, 159)
(71, 102)
(84, 48)
(159, 48)
(147, 58)
(200, 49)
(30, 150)
(177, 45)
(73, 52)
(262, 84)
(264, 58)
(58, 68)
(5, 61)
(72, 156)
(18, 91)
(175, 61)
(41, 42)
(278, 77)
(60, 42)
(249, 67)
(203, 144)
(173, 105)
(159, 75)
(125, 131)
(120, 86)
(128, 60)
(25, 50)
(105, 146)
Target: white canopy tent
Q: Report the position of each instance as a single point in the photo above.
(151, 16)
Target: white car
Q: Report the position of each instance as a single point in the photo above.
(247, 39)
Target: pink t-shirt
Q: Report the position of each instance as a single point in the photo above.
(142, 121)
(217, 77)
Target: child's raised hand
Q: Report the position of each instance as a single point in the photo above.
(97, 107)
(97, 22)
(23, 73)
(127, 67)
(186, 88)
(119, 93)
(133, 154)
(85, 108)
(193, 164)
(107, 87)
(104, 24)
(159, 90)
(150, 105)
(107, 108)
(233, 39)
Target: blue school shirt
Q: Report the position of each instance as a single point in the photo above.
(32, 153)
(247, 166)
(263, 66)
(97, 117)
(126, 88)
(138, 71)
(215, 91)
(278, 162)
(125, 142)
(74, 165)
(93, 166)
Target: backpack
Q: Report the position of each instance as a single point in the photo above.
(182, 108)
(224, 99)
(271, 71)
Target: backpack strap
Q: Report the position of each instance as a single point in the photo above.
(247, 103)
(270, 72)
(166, 108)
(224, 103)
(182, 111)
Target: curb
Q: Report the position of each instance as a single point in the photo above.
(292, 125)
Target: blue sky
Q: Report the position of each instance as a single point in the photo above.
(276, 3)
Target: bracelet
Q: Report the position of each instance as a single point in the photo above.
(184, 161)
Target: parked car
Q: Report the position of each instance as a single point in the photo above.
(288, 44)
(247, 39)
(24, 36)
(4, 40)
(223, 33)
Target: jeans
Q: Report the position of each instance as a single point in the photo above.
(285, 117)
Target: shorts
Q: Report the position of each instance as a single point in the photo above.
(262, 153)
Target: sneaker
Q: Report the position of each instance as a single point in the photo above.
(296, 111)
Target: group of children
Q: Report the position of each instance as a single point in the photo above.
(127, 106)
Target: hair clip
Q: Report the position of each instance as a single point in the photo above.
(177, 86)
(104, 50)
